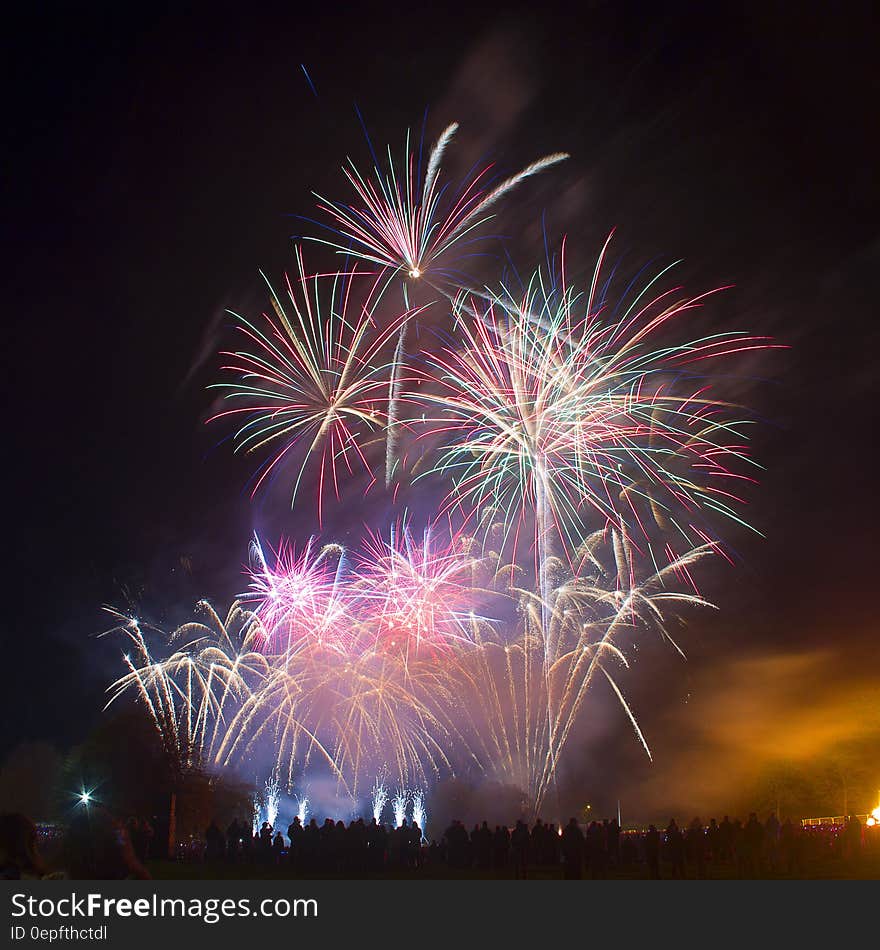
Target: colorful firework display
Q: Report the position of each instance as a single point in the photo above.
(579, 457)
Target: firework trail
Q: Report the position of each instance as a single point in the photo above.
(350, 713)
(312, 382)
(302, 809)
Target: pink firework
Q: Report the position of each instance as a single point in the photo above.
(416, 594)
(300, 598)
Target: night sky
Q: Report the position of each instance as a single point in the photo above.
(155, 162)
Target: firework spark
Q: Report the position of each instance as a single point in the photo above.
(408, 223)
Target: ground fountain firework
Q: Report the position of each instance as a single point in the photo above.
(419, 814)
(398, 807)
(378, 800)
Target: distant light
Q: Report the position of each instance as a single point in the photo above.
(875, 814)
(85, 798)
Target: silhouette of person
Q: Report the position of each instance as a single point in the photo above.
(753, 842)
(278, 847)
(519, 845)
(695, 847)
(652, 852)
(572, 851)
(675, 848)
(214, 841)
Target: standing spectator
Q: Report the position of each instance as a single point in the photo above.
(233, 840)
(614, 843)
(713, 841)
(277, 847)
(652, 852)
(771, 842)
(752, 846)
(572, 851)
(519, 843)
(675, 849)
(500, 847)
(695, 847)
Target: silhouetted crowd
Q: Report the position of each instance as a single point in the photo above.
(748, 849)
(94, 845)
(332, 846)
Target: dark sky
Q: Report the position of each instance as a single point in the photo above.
(153, 162)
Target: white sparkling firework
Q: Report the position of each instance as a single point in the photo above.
(379, 800)
(419, 815)
(273, 796)
(398, 806)
(256, 811)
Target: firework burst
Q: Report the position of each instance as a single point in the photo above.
(404, 220)
(417, 593)
(300, 598)
(525, 693)
(547, 414)
(313, 380)
(193, 694)
(557, 413)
